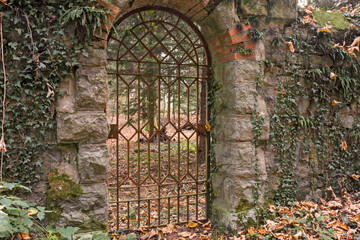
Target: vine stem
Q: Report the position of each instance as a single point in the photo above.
(2, 143)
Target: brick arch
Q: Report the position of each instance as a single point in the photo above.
(224, 46)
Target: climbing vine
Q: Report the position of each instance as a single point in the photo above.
(315, 121)
(39, 50)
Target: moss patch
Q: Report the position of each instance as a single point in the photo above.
(61, 188)
(337, 20)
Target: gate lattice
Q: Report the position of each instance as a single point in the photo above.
(158, 69)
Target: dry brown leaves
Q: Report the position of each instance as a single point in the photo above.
(192, 230)
(335, 219)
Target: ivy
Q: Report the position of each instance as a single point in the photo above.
(314, 136)
(39, 51)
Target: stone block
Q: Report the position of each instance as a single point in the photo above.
(238, 99)
(86, 127)
(93, 57)
(262, 109)
(91, 88)
(235, 159)
(236, 128)
(93, 162)
(283, 9)
(66, 103)
(250, 7)
(240, 71)
(95, 202)
(223, 18)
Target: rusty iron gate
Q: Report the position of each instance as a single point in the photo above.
(158, 65)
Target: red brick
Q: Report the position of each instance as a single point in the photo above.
(238, 39)
(234, 31)
(246, 27)
(200, 15)
(115, 10)
(249, 46)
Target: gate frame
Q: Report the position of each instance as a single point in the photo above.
(114, 128)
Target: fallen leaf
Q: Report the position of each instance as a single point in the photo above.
(192, 224)
(344, 146)
(4, 2)
(184, 234)
(335, 103)
(333, 75)
(356, 177)
(291, 46)
(24, 236)
(251, 231)
(168, 229)
(353, 12)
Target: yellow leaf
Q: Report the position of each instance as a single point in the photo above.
(251, 231)
(192, 224)
(335, 103)
(324, 29)
(344, 146)
(208, 127)
(31, 212)
(333, 75)
(291, 46)
(356, 177)
(4, 2)
(24, 236)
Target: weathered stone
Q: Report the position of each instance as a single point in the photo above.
(282, 9)
(88, 235)
(234, 128)
(93, 162)
(95, 202)
(250, 7)
(259, 50)
(236, 159)
(238, 99)
(346, 118)
(93, 57)
(240, 71)
(66, 103)
(222, 19)
(69, 169)
(87, 127)
(91, 88)
(262, 110)
(73, 216)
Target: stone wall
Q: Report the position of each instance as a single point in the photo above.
(80, 149)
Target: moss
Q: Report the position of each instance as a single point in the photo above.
(242, 209)
(337, 20)
(61, 188)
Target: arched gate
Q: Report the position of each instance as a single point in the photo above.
(158, 67)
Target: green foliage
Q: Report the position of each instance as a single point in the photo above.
(335, 19)
(38, 54)
(20, 216)
(314, 135)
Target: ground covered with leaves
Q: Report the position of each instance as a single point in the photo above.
(335, 218)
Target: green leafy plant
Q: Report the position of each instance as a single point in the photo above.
(19, 217)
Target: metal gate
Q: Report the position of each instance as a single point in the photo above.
(158, 67)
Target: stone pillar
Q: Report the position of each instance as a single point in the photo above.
(82, 130)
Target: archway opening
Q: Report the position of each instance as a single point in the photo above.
(158, 66)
